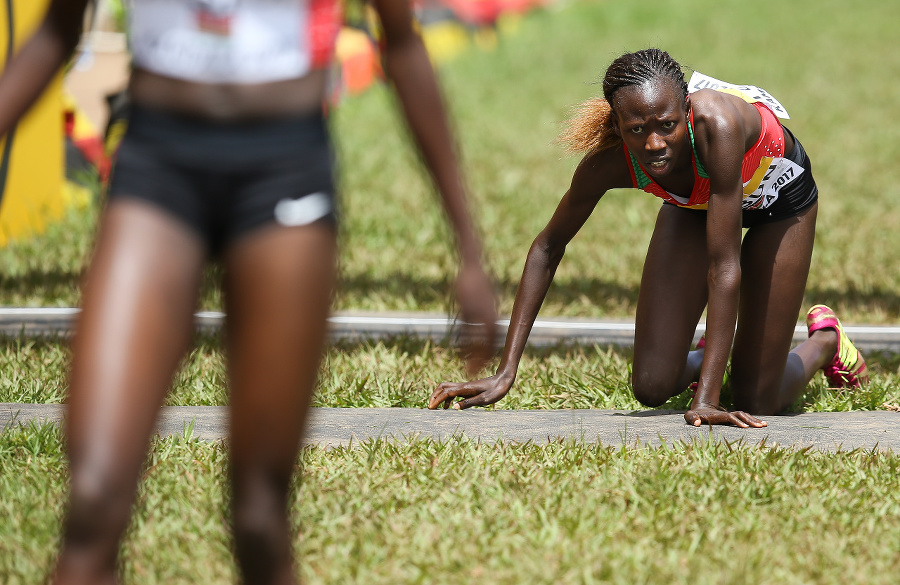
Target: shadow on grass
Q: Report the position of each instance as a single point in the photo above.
(399, 290)
(860, 301)
(436, 294)
(600, 297)
(49, 286)
(661, 411)
(35, 287)
(51, 341)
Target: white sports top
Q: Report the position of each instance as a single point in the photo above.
(233, 41)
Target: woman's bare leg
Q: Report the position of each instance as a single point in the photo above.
(672, 297)
(135, 326)
(278, 292)
(766, 376)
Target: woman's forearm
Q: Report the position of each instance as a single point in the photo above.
(724, 291)
(540, 268)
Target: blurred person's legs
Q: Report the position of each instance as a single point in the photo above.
(135, 326)
(278, 287)
(194, 188)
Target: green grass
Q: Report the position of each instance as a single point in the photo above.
(834, 74)
(455, 511)
(569, 512)
(402, 372)
(829, 71)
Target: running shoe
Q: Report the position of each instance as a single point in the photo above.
(848, 368)
(701, 343)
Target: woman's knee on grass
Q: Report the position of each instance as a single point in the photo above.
(652, 387)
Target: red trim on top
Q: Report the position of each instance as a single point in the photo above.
(700, 192)
(634, 182)
(770, 142)
(322, 29)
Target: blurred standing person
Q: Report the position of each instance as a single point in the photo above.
(226, 156)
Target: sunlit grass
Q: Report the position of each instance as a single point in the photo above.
(832, 74)
(568, 512)
(456, 511)
(403, 371)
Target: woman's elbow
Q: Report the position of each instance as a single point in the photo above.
(547, 249)
(724, 276)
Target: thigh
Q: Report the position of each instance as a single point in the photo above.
(278, 286)
(672, 296)
(135, 325)
(775, 260)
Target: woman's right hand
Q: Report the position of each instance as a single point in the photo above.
(478, 393)
(705, 414)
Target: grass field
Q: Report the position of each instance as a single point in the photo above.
(402, 372)
(458, 512)
(570, 512)
(833, 74)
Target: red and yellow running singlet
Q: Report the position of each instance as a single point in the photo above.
(764, 170)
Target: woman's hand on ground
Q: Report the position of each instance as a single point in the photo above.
(477, 393)
(477, 303)
(713, 416)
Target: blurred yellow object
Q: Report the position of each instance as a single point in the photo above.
(445, 40)
(351, 42)
(31, 155)
(76, 196)
(82, 127)
(486, 39)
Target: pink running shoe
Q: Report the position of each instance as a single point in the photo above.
(701, 343)
(848, 368)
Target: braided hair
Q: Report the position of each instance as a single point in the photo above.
(590, 128)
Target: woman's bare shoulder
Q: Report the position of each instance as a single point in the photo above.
(717, 111)
(716, 107)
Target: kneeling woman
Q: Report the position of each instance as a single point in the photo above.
(720, 163)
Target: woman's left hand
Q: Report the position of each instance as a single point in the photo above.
(713, 416)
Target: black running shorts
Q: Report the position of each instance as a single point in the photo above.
(224, 180)
(793, 198)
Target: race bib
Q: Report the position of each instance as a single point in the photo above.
(748, 93)
(773, 174)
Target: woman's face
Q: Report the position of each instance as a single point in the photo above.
(651, 119)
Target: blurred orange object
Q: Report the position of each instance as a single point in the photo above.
(84, 136)
(358, 60)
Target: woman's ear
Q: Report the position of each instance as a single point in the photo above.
(614, 121)
(687, 105)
